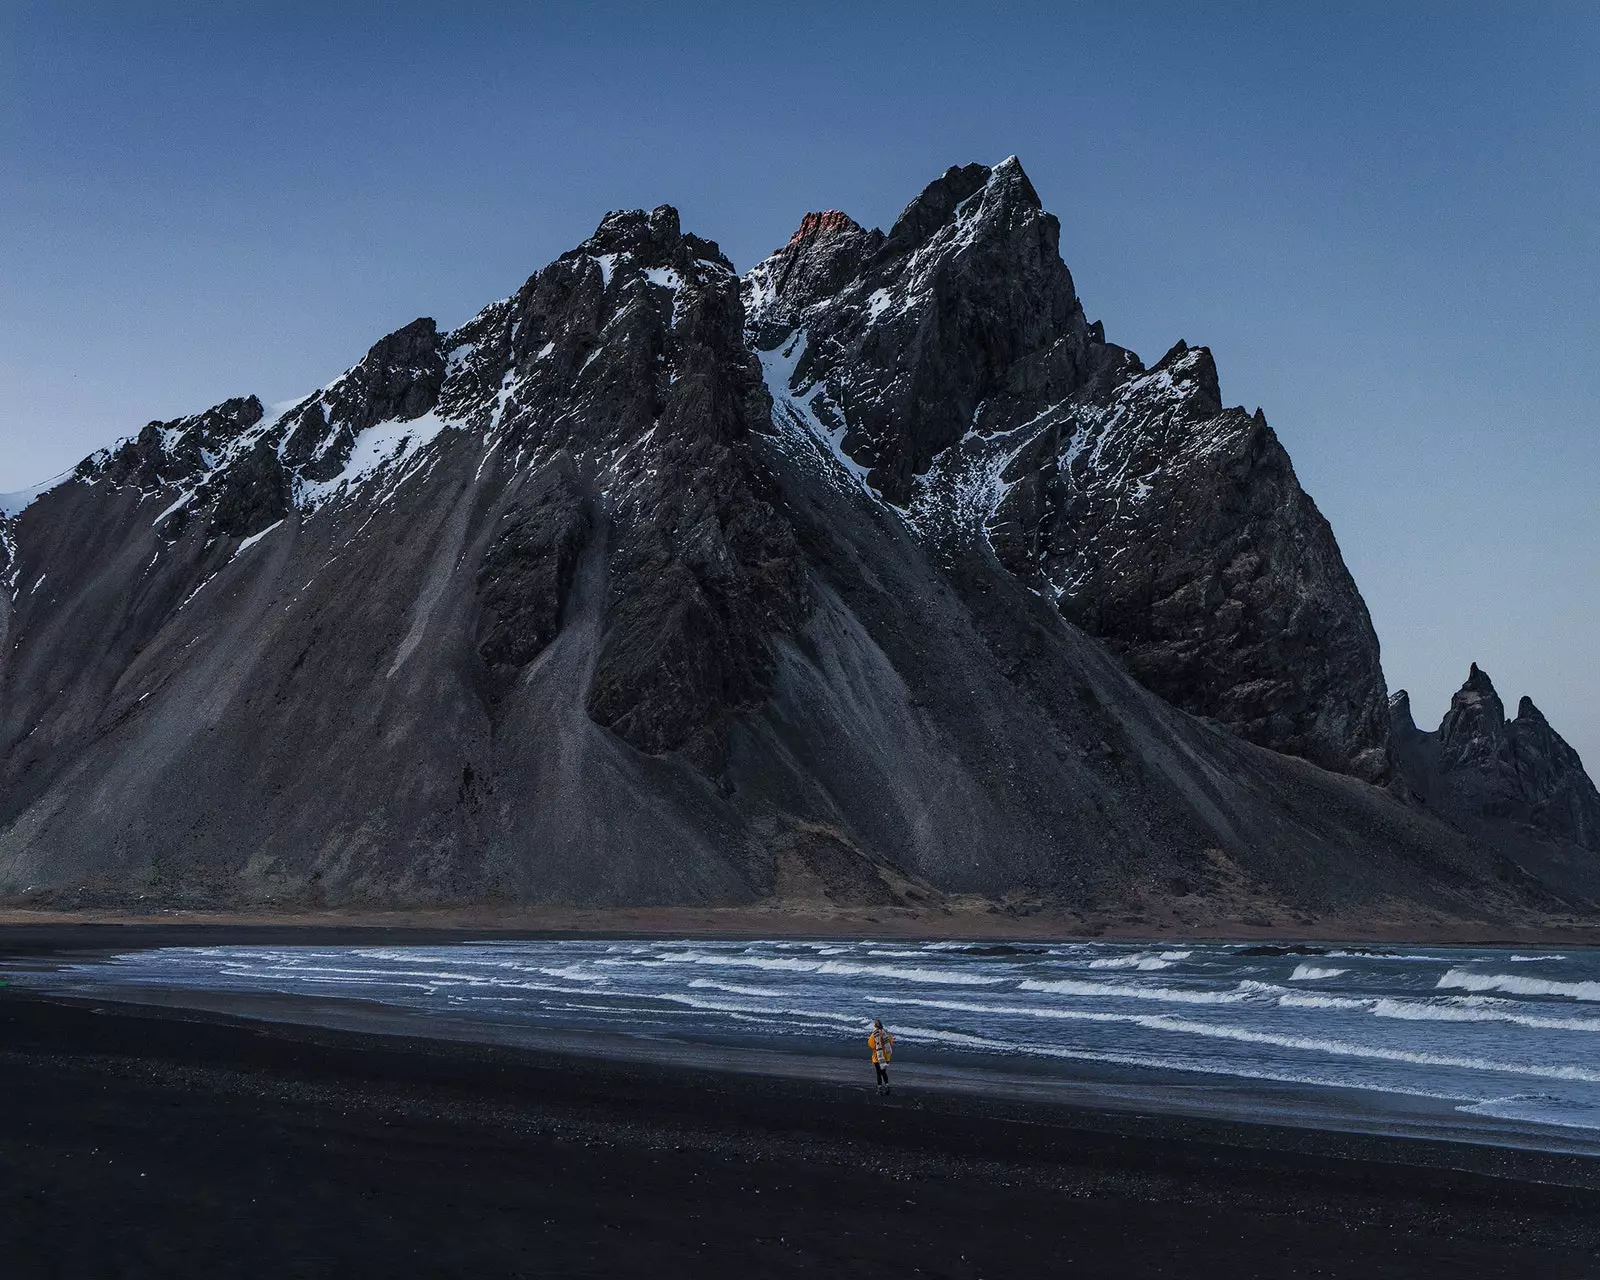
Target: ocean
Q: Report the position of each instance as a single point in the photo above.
(1493, 1043)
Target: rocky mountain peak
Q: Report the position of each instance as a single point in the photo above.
(1400, 711)
(1001, 194)
(655, 235)
(825, 254)
(1193, 374)
(827, 222)
(934, 206)
(1474, 725)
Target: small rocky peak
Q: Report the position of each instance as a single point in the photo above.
(705, 250)
(652, 239)
(211, 430)
(1400, 717)
(825, 223)
(1006, 194)
(1175, 353)
(415, 344)
(935, 206)
(1475, 723)
(230, 417)
(1009, 180)
(664, 221)
(826, 252)
(164, 452)
(1194, 369)
(1548, 776)
(399, 377)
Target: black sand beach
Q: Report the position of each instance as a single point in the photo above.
(147, 1142)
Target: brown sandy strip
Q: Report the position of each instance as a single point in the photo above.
(979, 921)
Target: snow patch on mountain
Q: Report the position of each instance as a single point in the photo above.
(796, 412)
(13, 505)
(388, 453)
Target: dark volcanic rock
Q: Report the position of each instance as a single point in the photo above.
(1478, 767)
(252, 494)
(825, 254)
(169, 452)
(966, 305)
(525, 576)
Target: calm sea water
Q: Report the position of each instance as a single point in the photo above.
(1488, 1032)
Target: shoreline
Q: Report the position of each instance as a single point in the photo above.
(209, 1144)
(1087, 1079)
(1149, 1092)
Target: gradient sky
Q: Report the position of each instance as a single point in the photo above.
(1385, 224)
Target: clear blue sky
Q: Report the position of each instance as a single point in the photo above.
(1384, 219)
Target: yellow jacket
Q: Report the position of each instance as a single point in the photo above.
(882, 1045)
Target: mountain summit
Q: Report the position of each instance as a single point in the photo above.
(877, 575)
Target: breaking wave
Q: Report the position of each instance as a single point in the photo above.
(1515, 984)
(1310, 973)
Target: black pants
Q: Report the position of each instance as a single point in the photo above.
(883, 1074)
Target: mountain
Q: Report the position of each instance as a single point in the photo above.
(875, 576)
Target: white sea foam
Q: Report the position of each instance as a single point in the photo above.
(735, 989)
(1131, 991)
(1477, 1009)
(1311, 973)
(1379, 958)
(1371, 1052)
(1296, 1000)
(842, 968)
(723, 1006)
(1515, 984)
(1146, 961)
(1541, 1108)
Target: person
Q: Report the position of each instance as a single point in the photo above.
(882, 1045)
